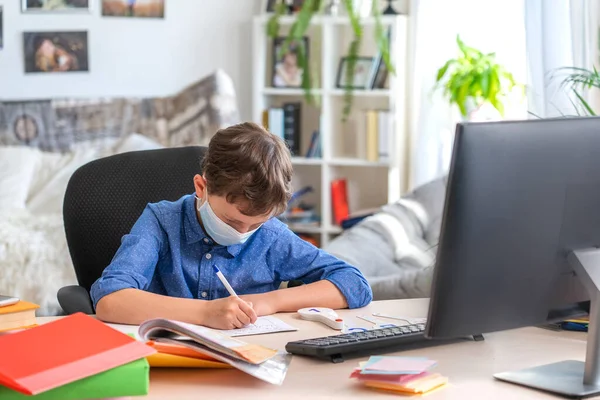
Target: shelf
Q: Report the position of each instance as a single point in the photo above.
(273, 91)
(327, 19)
(335, 229)
(299, 228)
(306, 161)
(357, 162)
(363, 92)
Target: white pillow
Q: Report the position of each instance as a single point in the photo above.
(135, 142)
(48, 196)
(17, 168)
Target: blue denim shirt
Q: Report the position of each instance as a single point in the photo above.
(167, 252)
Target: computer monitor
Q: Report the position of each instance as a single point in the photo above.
(520, 237)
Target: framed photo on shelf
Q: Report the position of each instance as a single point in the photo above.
(270, 5)
(55, 6)
(47, 52)
(133, 8)
(362, 73)
(287, 72)
(380, 78)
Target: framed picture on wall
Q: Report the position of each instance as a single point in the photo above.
(47, 52)
(134, 8)
(287, 71)
(55, 6)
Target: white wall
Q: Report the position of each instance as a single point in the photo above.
(136, 57)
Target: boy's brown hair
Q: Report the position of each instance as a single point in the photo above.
(251, 168)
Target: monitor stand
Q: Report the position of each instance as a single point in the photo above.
(572, 378)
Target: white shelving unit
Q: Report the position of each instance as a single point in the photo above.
(370, 184)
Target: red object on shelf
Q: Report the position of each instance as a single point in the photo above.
(339, 200)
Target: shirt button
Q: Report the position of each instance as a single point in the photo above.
(204, 294)
(208, 256)
(206, 240)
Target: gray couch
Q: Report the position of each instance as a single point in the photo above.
(395, 248)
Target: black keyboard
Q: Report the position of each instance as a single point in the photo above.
(335, 347)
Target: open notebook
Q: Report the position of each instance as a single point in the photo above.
(261, 362)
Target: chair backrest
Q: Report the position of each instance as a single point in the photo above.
(105, 197)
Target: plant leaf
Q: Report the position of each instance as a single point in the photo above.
(485, 83)
(584, 103)
(442, 71)
(382, 38)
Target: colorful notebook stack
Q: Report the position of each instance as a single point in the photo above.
(76, 357)
(403, 375)
(178, 356)
(18, 316)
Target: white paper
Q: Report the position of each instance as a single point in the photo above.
(262, 325)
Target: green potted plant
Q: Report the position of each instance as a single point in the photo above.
(577, 80)
(473, 79)
(298, 29)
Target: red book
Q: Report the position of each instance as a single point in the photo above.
(60, 352)
(339, 200)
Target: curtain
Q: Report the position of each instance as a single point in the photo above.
(490, 25)
(560, 33)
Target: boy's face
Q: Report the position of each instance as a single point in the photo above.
(228, 212)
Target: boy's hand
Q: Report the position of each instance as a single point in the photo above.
(228, 313)
(262, 303)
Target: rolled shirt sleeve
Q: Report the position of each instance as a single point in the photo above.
(135, 261)
(295, 259)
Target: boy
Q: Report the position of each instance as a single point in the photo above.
(164, 267)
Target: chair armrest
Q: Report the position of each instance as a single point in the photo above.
(74, 299)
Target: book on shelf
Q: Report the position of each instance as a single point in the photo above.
(284, 122)
(339, 200)
(314, 148)
(261, 362)
(378, 135)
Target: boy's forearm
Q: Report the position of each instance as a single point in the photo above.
(134, 306)
(317, 294)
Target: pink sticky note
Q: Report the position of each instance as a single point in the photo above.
(393, 379)
(401, 364)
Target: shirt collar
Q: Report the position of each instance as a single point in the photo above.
(194, 231)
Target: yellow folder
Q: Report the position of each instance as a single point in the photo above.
(173, 361)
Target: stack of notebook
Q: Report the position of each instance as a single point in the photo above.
(178, 356)
(176, 338)
(76, 357)
(18, 316)
(403, 375)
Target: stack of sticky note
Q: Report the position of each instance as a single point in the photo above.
(405, 375)
(76, 357)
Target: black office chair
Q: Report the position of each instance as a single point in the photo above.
(103, 200)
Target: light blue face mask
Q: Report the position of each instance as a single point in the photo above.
(218, 230)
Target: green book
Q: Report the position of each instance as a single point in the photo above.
(130, 379)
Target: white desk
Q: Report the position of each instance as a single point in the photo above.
(469, 365)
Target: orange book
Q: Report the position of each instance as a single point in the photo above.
(19, 315)
(178, 350)
(63, 351)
